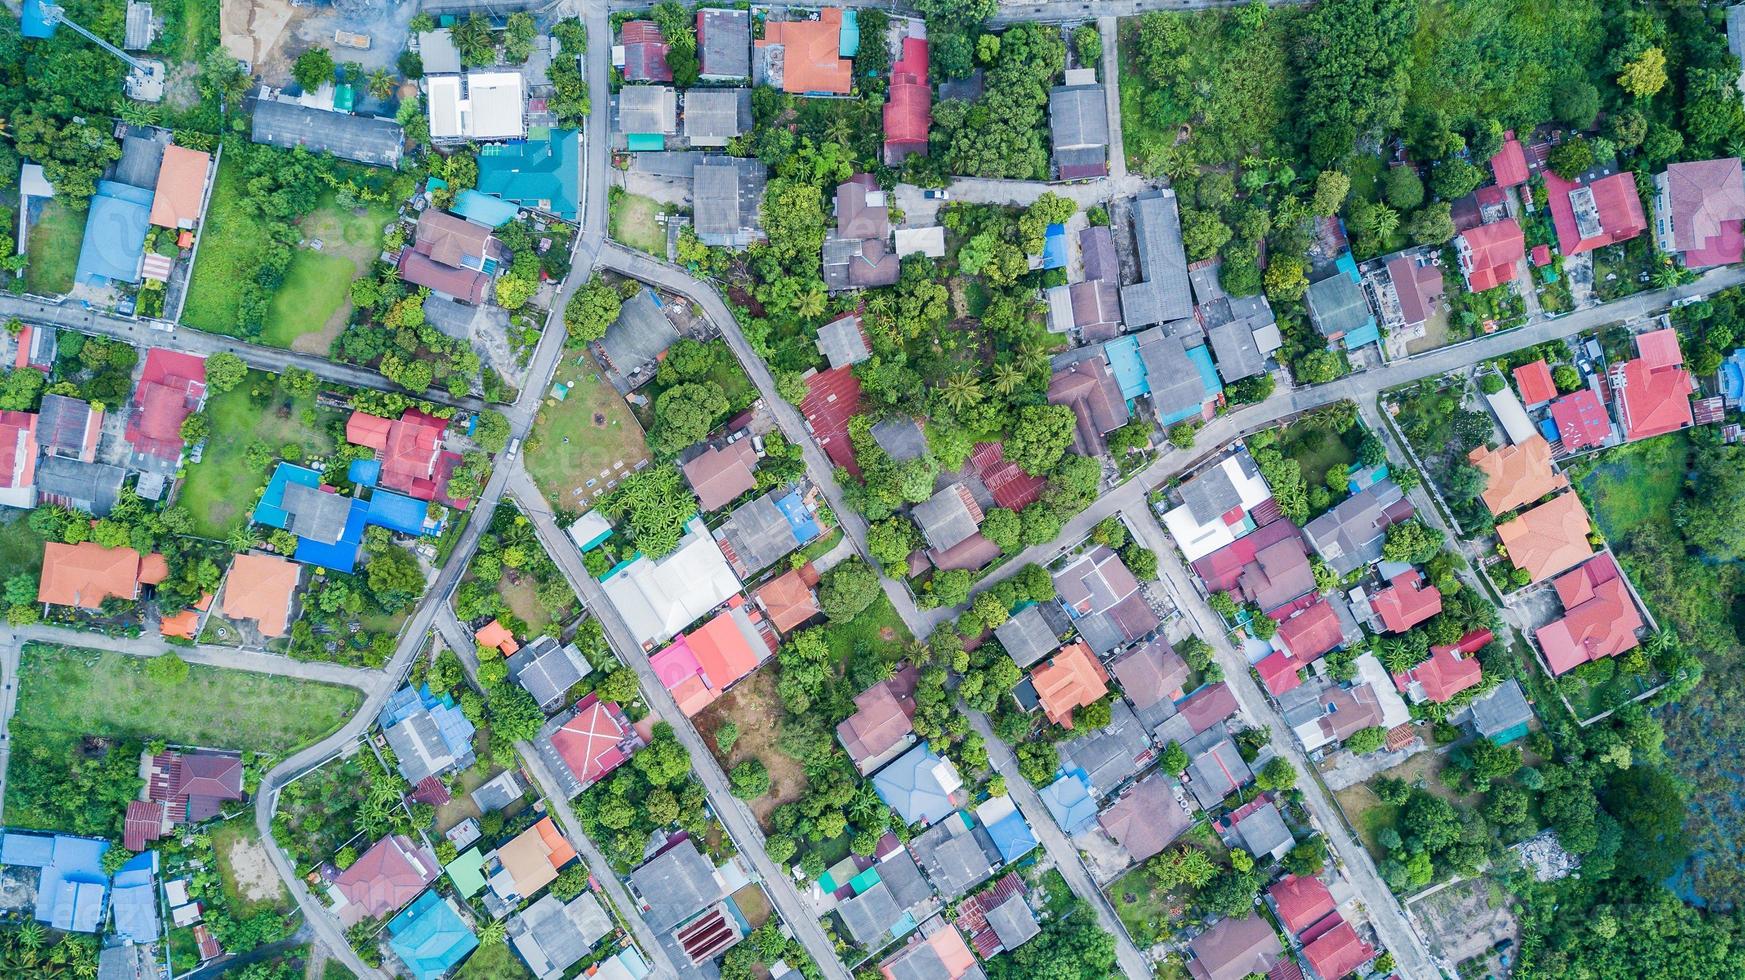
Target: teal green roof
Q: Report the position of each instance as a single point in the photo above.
(645, 141)
(544, 175)
(344, 98)
(468, 873)
(485, 209)
(429, 937)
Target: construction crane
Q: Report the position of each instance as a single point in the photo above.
(54, 14)
(39, 20)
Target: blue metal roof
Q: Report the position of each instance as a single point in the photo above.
(1209, 380)
(72, 886)
(340, 556)
(1012, 837)
(27, 850)
(484, 209)
(543, 174)
(397, 512)
(271, 511)
(135, 899)
(1054, 247)
(430, 937)
(910, 786)
(799, 518)
(115, 231)
(1369, 333)
(1125, 363)
(364, 472)
(1069, 800)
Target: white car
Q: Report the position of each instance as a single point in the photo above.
(936, 195)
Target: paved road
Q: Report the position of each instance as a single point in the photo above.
(1047, 10)
(1396, 933)
(459, 639)
(1108, 27)
(734, 814)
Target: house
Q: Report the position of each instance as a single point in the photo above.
(180, 188)
(1653, 389)
(1072, 678)
(921, 786)
(699, 666)
(68, 427)
(1163, 295)
(527, 863)
(722, 472)
(1502, 714)
(936, 951)
(1181, 379)
(658, 598)
(1407, 601)
(956, 853)
(635, 342)
(180, 787)
(859, 254)
(648, 113)
(908, 111)
(1107, 757)
(1268, 568)
(430, 937)
(1350, 535)
(70, 883)
(1091, 391)
(383, 878)
(998, 918)
(1260, 829)
(874, 915)
(547, 669)
(948, 518)
(1517, 475)
(1599, 616)
(261, 587)
(1509, 164)
(882, 723)
(430, 735)
(450, 255)
(1078, 123)
(1490, 255)
(723, 44)
(675, 885)
(1581, 419)
(1534, 382)
(18, 459)
(1105, 600)
(1215, 766)
(727, 195)
(1339, 308)
(644, 52)
(715, 115)
(1549, 538)
(806, 57)
(788, 600)
(707, 936)
(282, 121)
(1307, 631)
(86, 574)
(1301, 901)
(1011, 835)
(1234, 949)
(587, 745)
(1151, 676)
(843, 341)
(762, 531)
(1699, 212)
(1147, 818)
(1337, 951)
(1033, 632)
(539, 173)
(552, 936)
(1415, 286)
(172, 386)
(1198, 713)
(133, 899)
(1590, 214)
(1220, 504)
(1323, 713)
(1451, 668)
(478, 106)
(496, 636)
(410, 450)
(113, 249)
(91, 487)
(901, 437)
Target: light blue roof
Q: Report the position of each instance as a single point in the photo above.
(484, 209)
(799, 518)
(1069, 800)
(911, 786)
(1054, 247)
(1129, 370)
(340, 556)
(34, 21)
(1369, 333)
(27, 850)
(543, 174)
(396, 512)
(135, 899)
(429, 936)
(1012, 836)
(1209, 380)
(71, 888)
(848, 43)
(364, 472)
(271, 509)
(1733, 376)
(115, 229)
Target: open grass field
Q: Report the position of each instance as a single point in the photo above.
(20, 546)
(215, 292)
(310, 309)
(1629, 486)
(1318, 450)
(493, 962)
(220, 489)
(582, 443)
(54, 242)
(878, 628)
(634, 224)
(250, 883)
(96, 692)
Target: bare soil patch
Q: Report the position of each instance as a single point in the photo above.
(754, 706)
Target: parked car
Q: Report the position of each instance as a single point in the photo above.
(936, 195)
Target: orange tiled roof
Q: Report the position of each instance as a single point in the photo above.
(1517, 475)
(153, 568)
(181, 625)
(1072, 679)
(260, 588)
(85, 574)
(1549, 538)
(788, 598)
(811, 56)
(181, 182)
(495, 634)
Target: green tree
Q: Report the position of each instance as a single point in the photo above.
(847, 590)
(167, 668)
(1278, 774)
(1412, 541)
(1402, 188)
(224, 371)
(749, 779)
(591, 310)
(1571, 158)
(313, 68)
(1331, 189)
(1174, 759)
(1646, 75)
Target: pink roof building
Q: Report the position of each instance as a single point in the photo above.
(1338, 951)
(171, 387)
(1602, 212)
(1509, 166)
(1406, 602)
(1653, 390)
(591, 742)
(1599, 617)
(1534, 381)
(1489, 254)
(1699, 210)
(1301, 901)
(410, 447)
(1450, 670)
(384, 878)
(1581, 418)
(909, 113)
(1311, 632)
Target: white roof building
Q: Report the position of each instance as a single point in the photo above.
(927, 241)
(657, 599)
(1198, 535)
(1513, 417)
(481, 105)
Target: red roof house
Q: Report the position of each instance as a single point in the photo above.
(1490, 253)
(1534, 381)
(832, 398)
(1338, 951)
(590, 743)
(811, 54)
(410, 447)
(1587, 216)
(1450, 670)
(1011, 487)
(645, 52)
(1071, 679)
(1599, 617)
(1540, 255)
(908, 114)
(1699, 208)
(1509, 166)
(1581, 420)
(1278, 671)
(1653, 390)
(17, 458)
(1301, 901)
(171, 387)
(1311, 632)
(1406, 602)
(181, 788)
(384, 878)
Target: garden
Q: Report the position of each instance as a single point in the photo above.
(512, 579)
(583, 437)
(347, 802)
(53, 253)
(241, 917)
(309, 308)
(264, 419)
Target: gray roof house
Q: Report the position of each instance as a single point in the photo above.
(315, 514)
(919, 785)
(870, 915)
(362, 139)
(956, 853)
(419, 746)
(1013, 921)
(1213, 493)
(1147, 817)
(843, 342)
(551, 936)
(639, 336)
(1111, 755)
(648, 110)
(756, 535)
(1217, 768)
(900, 437)
(1150, 675)
(1233, 949)
(502, 790)
(858, 253)
(1078, 121)
(1351, 534)
(715, 115)
(1237, 354)
(66, 426)
(949, 517)
(723, 44)
(726, 195)
(1164, 294)
(1337, 305)
(1033, 633)
(1263, 832)
(91, 487)
(547, 670)
(1501, 712)
(675, 885)
(1175, 381)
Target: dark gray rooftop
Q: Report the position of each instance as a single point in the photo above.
(758, 533)
(727, 193)
(547, 669)
(1029, 636)
(1502, 709)
(842, 343)
(675, 885)
(1337, 305)
(315, 515)
(1175, 381)
(945, 519)
(92, 487)
(870, 915)
(1013, 921)
(724, 43)
(640, 334)
(1164, 295)
(1351, 534)
(715, 115)
(1213, 494)
(1111, 755)
(1237, 354)
(363, 139)
(955, 858)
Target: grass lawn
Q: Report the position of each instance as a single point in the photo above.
(84, 692)
(20, 547)
(580, 444)
(753, 905)
(220, 489)
(1627, 487)
(878, 628)
(634, 224)
(1318, 450)
(247, 871)
(184, 951)
(1142, 132)
(310, 309)
(215, 293)
(54, 242)
(493, 962)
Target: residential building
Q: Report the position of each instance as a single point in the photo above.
(552, 936)
(285, 123)
(644, 51)
(1350, 535)
(547, 669)
(1181, 379)
(1215, 767)
(721, 473)
(1450, 669)
(70, 884)
(1589, 214)
(1012, 837)
(1600, 618)
(430, 937)
(113, 249)
(658, 598)
(1581, 419)
(1269, 567)
(1070, 803)
(530, 861)
(882, 724)
(715, 115)
(1090, 390)
(1259, 828)
(936, 951)
(920, 785)
(956, 853)
(948, 518)
(1407, 601)
(999, 918)
(727, 197)
(1517, 475)
(1322, 713)
(539, 174)
(430, 735)
(18, 459)
(1147, 818)
(1109, 756)
(766, 529)
(675, 885)
(409, 449)
(180, 787)
(1337, 951)
(1509, 164)
(450, 255)
(172, 386)
(789, 600)
(1033, 632)
(1502, 714)
(261, 587)
(477, 106)
(1072, 678)
(700, 666)
(634, 343)
(91, 487)
(1162, 295)
(1220, 504)
(908, 111)
(1533, 380)
(806, 57)
(383, 878)
(1301, 901)
(1338, 307)
(1234, 949)
(1151, 676)
(1653, 389)
(1078, 122)
(181, 187)
(723, 44)
(86, 574)
(133, 898)
(1105, 600)
(1490, 255)
(1511, 415)
(647, 114)
(876, 915)
(68, 428)
(1311, 627)
(1699, 211)
(1548, 538)
(1408, 294)
(859, 254)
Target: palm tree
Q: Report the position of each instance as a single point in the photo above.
(1661, 642)
(1397, 654)
(381, 83)
(811, 303)
(1031, 357)
(1007, 378)
(960, 391)
(839, 130)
